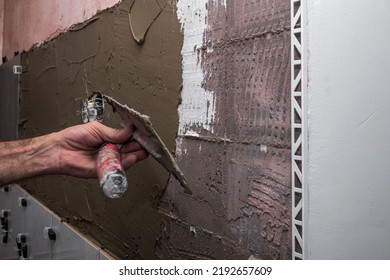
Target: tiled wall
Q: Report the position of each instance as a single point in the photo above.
(31, 220)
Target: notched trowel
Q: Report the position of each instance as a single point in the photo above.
(149, 139)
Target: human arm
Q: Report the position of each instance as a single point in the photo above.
(71, 151)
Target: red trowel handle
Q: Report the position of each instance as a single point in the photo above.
(112, 178)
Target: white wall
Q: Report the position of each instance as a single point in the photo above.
(349, 129)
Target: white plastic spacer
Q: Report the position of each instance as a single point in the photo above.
(17, 69)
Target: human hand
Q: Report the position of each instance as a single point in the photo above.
(78, 147)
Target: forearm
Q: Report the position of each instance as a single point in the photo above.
(27, 158)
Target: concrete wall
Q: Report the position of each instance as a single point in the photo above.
(231, 118)
(349, 129)
(29, 22)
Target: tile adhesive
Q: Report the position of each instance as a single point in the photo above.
(102, 55)
(214, 78)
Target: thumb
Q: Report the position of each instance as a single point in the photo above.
(109, 134)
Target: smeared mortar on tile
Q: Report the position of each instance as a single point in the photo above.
(102, 55)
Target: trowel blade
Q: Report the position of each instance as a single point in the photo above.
(149, 139)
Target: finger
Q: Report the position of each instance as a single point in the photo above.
(131, 147)
(130, 159)
(109, 134)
